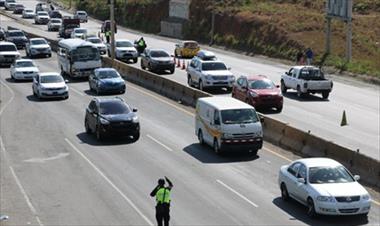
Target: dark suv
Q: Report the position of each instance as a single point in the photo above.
(111, 117)
(17, 37)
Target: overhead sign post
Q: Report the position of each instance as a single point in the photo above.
(341, 10)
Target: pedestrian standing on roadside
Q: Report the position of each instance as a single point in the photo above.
(108, 36)
(162, 194)
(299, 58)
(309, 56)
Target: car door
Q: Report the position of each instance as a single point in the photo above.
(13, 68)
(191, 69)
(291, 178)
(35, 84)
(243, 89)
(92, 114)
(301, 189)
(144, 58)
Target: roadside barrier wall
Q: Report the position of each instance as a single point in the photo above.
(279, 133)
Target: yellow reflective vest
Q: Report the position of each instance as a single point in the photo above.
(163, 196)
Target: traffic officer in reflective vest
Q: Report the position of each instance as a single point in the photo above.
(162, 194)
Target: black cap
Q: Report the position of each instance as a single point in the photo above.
(161, 182)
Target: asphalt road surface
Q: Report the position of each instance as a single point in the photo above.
(360, 101)
(53, 173)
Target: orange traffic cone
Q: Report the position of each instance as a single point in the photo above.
(183, 65)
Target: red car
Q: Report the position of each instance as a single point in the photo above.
(258, 91)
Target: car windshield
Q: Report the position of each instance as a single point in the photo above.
(81, 31)
(42, 13)
(85, 53)
(108, 74)
(51, 79)
(324, 175)
(11, 1)
(113, 108)
(261, 84)
(94, 40)
(29, 11)
(38, 42)
(213, 66)
(5, 48)
(239, 116)
(55, 21)
(156, 54)
(124, 44)
(190, 45)
(82, 13)
(311, 74)
(19, 6)
(15, 34)
(25, 64)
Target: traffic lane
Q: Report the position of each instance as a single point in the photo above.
(62, 188)
(204, 155)
(360, 134)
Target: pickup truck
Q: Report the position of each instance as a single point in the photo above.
(306, 79)
(68, 25)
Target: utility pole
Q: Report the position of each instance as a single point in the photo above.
(112, 14)
(212, 23)
(70, 4)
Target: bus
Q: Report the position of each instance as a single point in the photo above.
(78, 58)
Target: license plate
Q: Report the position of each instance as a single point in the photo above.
(55, 93)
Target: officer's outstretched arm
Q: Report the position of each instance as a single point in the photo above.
(169, 182)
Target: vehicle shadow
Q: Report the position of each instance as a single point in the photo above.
(10, 80)
(218, 91)
(267, 111)
(32, 98)
(306, 98)
(93, 94)
(205, 154)
(75, 80)
(298, 212)
(110, 141)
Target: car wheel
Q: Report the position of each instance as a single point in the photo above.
(325, 95)
(279, 109)
(136, 137)
(134, 60)
(87, 127)
(66, 97)
(311, 208)
(200, 137)
(299, 92)
(283, 87)
(99, 135)
(229, 89)
(49, 55)
(284, 193)
(216, 147)
(189, 81)
(34, 93)
(200, 85)
(38, 94)
(142, 65)
(172, 71)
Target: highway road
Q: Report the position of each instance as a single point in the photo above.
(360, 101)
(53, 173)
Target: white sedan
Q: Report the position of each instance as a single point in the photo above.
(28, 13)
(23, 69)
(79, 33)
(50, 85)
(324, 186)
(37, 47)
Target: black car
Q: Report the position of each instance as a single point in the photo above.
(17, 37)
(111, 117)
(157, 60)
(19, 8)
(55, 14)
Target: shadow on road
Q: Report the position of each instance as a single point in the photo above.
(32, 98)
(206, 155)
(10, 80)
(109, 141)
(306, 98)
(298, 212)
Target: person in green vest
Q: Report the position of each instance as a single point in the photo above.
(162, 194)
(108, 35)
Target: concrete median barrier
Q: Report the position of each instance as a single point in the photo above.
(279, 133)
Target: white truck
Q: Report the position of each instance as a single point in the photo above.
(305, 80)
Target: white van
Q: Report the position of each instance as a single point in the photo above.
(228, 124)
(77, 57)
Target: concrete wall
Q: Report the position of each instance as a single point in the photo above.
(171, 29)
(179, 8)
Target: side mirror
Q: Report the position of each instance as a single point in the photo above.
(66, 81)
(357, 177)
(287, 73)
(277, 86)
(134, 110)
(262, 119)
(301, 180)
(229, 68)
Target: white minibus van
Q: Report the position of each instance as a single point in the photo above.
(77, 57)
(227, 124)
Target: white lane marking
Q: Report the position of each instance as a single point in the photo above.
(76, 91)
(237, 193)
(43, 160)
(110, 182)
(26, 197)
(10, 100)
(158, 142)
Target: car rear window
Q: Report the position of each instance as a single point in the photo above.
(114, 108)
(15, 34)
(6, 48)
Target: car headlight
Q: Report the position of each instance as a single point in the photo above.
(253, 94)
(325, 199)
(366, 197)
(135, 119)
(104, 121)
